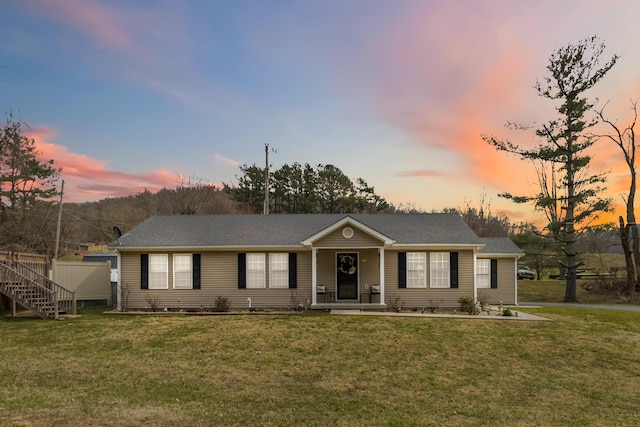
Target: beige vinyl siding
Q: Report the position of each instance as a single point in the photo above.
(218, 277)
(360, 239)
(506, 290)
(423, 297)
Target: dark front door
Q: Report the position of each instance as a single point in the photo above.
(347, 276)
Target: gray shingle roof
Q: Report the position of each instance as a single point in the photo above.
(290, 230)
(499, 245)
(112, 257)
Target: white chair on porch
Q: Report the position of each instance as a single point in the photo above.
(373, 290)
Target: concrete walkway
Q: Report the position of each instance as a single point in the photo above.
(622, 307)
(520, 315)
(517, 315)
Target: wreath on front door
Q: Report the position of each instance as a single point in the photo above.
(347, 265)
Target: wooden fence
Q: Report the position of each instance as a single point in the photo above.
(20, 256)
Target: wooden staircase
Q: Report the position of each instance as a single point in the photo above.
(35, 291)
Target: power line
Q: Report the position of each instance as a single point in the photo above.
(95, 216)
(86, 222)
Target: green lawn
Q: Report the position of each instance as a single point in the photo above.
(319, 370)
(553, 291)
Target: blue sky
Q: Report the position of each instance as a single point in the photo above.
(128, 95)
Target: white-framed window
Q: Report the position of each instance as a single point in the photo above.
(255, 271)
(483, 273)
(182, 273)
(439, 269)
(158, 271)
(278, 270)
(416, 270)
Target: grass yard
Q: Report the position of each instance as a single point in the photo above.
(321, 370)
(553, 291)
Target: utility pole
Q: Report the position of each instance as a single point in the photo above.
(266, 180)
(55, 252)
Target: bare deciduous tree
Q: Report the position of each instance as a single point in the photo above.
(625, 138)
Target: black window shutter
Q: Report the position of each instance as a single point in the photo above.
(144, 271)
(195, 260)
(494, 273)
(453, 269)
(402, 269)
(293, 270)
(242, 271)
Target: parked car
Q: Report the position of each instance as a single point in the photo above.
(525, 272)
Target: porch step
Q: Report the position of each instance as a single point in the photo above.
(350, 306)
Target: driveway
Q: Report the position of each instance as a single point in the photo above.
(622, 307)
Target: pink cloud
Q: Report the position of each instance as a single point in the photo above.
(226, 160)
(446, 85)
(447, 94)
(89, 179)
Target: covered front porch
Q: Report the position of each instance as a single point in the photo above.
(348, 266)
(348, 279)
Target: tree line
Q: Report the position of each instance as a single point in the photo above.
(305, 189)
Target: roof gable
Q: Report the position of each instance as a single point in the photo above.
(347, 222)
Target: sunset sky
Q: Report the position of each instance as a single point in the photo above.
(127, 95)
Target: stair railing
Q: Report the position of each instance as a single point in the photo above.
(15, 281)
(27, 293)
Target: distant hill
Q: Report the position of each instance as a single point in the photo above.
(94, 221)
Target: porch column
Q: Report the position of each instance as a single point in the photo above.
(381, 253)
(314, 284)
